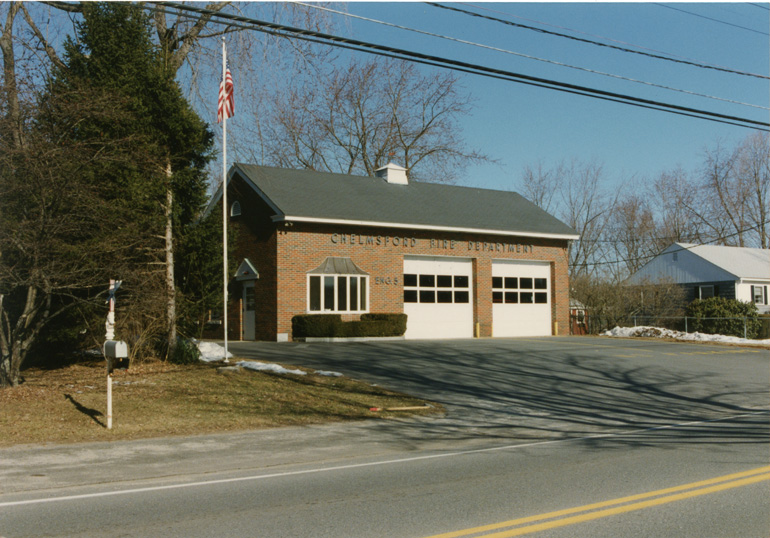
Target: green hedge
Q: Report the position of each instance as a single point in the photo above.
(718, 315)
(331, 325)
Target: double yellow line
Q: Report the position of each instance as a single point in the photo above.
(580, 514)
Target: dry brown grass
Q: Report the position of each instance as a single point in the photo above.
(158, 399)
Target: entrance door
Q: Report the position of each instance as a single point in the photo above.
(249, 311)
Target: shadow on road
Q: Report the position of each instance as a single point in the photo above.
(529, 389)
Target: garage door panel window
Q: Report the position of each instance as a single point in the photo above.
(442, 289)
(516, 290)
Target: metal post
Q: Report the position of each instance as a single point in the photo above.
(109, 401)
(745, 327)
(685, 325)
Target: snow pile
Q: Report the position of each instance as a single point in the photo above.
(265, 367)
(211, 352)
(656, 332)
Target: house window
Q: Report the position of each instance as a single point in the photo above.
(430, 288)
(759, 294)
(337, 285)
(337, 293)
(512, 290)
(235, 209)
(705, 292)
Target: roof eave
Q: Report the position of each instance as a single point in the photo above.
(436, 228)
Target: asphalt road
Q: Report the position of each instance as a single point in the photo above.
(551, 437)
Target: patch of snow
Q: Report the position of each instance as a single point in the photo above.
(657, 332)
(211, 352)
(328, 374)
(265, 367)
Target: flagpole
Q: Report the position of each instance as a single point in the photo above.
(224, 195)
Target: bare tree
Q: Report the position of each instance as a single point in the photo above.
(355, 120)
(633, 231)
(575, 192)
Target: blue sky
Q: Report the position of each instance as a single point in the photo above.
(520, 125)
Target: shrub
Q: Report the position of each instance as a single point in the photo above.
(318, 325)
(711, 316)
(185, 352)
(331, 325)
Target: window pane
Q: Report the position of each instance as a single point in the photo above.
(428, 281)
(342, 293)
(511, 297)
(526, 297)
(497, 297)
(427, 296)
(541, 298)
(249, 303)
(354, 293)
(444, 281)
(363, 292)
(315, 293)
(511, 283)
(497, 282)
(461, 297)
(526, 283)
(444, 296)
(328, 293)
(410, 296)
(410, 280)
(461, 281)
(541, 284)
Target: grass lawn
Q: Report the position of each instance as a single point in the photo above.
(158, 399)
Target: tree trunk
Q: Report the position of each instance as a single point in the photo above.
(170, 288)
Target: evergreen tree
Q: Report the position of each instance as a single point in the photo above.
(114, 52)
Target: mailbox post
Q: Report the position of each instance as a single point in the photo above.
(115, 351)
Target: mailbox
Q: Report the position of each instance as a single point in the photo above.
(116, 353)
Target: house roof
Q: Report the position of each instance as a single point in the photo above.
(742, 262)
(687, 263)
(306, 195)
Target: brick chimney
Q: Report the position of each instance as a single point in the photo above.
(393, 173)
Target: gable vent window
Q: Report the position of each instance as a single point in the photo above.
(337, 285)
(235, 209)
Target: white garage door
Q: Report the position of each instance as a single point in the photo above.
(521, 298)
(438, 297)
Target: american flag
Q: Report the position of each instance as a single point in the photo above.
(226, 105)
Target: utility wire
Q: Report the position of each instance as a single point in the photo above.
(393, 52)
(605, 38)
(527, 56)
(712, 19)
(580, 39)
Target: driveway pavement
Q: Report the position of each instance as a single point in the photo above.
(534, 388)
(496, 392)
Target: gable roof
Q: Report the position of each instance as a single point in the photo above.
(742, 262)
(687, 263)
(306, 195)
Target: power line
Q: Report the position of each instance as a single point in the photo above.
(580, 39)
(393, 52)
(669, 55)
(712, 19)
(527, 56)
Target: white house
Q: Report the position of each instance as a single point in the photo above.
(712, 271)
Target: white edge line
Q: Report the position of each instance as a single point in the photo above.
(361, 465)
(407, 226)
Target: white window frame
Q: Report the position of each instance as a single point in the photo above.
(700, 292)
(762, 292)
(362, 294)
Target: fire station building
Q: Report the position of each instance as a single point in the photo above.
(460, 262)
